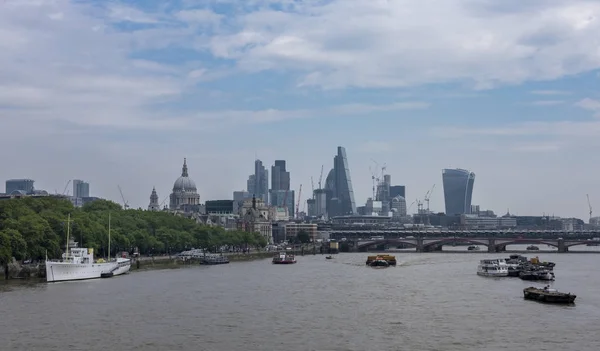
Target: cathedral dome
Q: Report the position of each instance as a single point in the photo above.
(184, 183)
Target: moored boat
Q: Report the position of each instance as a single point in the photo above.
(284, 258)
(546, 294)
(492, 268)
(328, 257)
(214, 259)
(78, 263)
(473, 248)
(541, 274)
(532, 248)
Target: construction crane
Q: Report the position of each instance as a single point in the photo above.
(66, 186)
(125, 203)
(590, 207)
(428, 196)
(375, 178)
(298, 202)
(163, 201)
(321, 178)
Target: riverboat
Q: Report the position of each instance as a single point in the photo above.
(379, 262)
(391, 260)
(540, 274)
(492, 268)
(284, 258)
(209, 259)
(78, 263)
(546, 294)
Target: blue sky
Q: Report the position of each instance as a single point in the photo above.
(119, 92)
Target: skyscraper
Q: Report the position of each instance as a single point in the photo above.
(344, 192)
(258, 183)
(458, 190)
(280, 177)
(80, 188)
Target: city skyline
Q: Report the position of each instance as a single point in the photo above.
(117, 93)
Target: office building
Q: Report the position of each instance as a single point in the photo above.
(458, 191)
(81, 189)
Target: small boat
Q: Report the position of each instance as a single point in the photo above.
(473, 248)
(546, 294)
(328, 257)
(537, 275)
(284, 258)
(391, 260)
(379, 262)
(493, 268)
(532, 248)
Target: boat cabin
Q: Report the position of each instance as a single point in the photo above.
(79, 255)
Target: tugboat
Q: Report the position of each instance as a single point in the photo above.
(391, 260)
(284, 258)
(379, 262)
(546, 294)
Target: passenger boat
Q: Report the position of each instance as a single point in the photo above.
(284, 258)
(473, 248)
(492, 268)
(532, 248)
(546, 294)
(78, 263)
(214, 259)
(328, 257)
(391, 260)
(379, 262)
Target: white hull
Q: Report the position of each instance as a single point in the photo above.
(493, 274)
(65, 271)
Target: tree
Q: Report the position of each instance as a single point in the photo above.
(303, 237)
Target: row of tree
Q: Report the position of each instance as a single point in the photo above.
(30, 228)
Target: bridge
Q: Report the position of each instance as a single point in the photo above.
(493, 244)
(445, 233)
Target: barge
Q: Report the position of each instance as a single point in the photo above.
(546, 294)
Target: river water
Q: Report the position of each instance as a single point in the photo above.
(430, 301)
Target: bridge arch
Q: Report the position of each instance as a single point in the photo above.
(525, 242)
(447, 241)
(569, 244)
(387, 241)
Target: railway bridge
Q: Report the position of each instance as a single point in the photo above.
(494, 244)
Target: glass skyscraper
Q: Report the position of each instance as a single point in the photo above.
(458, 190)
(343, 183)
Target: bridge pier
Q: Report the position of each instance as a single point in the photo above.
(420, 245)
(561, 246)
(491, 245)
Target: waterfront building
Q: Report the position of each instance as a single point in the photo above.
(81, 189)
(154, 205)
(292, 230)
(469, 221)
(185, 197)
(458, 190)
(24, 186)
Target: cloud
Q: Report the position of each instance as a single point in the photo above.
(365, 43)
(589, 104)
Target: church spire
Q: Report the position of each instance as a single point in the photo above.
(184, 171)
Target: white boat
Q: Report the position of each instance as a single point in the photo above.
(493, 268)
(78, 263)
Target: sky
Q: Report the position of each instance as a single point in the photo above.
(118, 92)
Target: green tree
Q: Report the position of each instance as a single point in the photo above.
(303, 237)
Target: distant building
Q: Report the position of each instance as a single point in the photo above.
(283, 199)
(476, 222)
(23, 185)
(238, 200)
(397, 190)
(458, 190)
(339, 186)
(154, 205)
(292, 230)
(280, 177)
(258, 183)
(185, 197)
(255, 218)
(220, 206)
(80, 188)
(399, 207)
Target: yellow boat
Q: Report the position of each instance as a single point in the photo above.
(388, 258)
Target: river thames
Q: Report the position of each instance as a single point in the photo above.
(430, 301)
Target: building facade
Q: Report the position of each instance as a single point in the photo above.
(185, 195)
(22, 185)
(80, 188)
(255, 218)
(458, 190)
(292, 230)
(258, 183)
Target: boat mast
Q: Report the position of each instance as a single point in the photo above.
(68, 229)
(109, 236)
